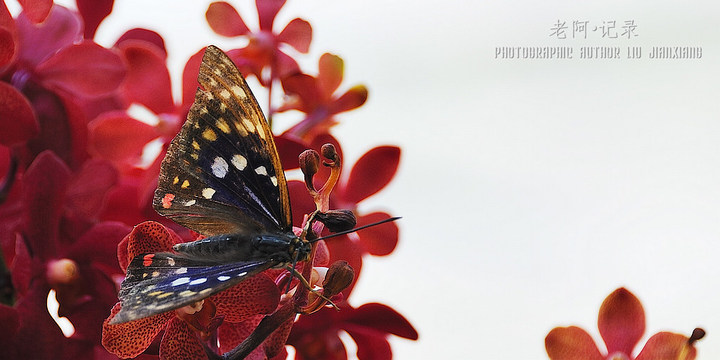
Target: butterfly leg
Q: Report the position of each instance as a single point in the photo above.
(307, 285)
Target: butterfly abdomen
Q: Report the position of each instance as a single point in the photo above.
(240, 247)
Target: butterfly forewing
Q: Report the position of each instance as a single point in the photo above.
(161, 282)
(222, 173)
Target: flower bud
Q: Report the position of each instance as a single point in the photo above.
(328, 152)
(339, 276)
(338, 220)
(309, 162)
(697, 334)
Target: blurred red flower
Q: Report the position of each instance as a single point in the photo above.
(622, 323)
(50, 240)
(315, 97)
(265, 47)
(316, 337)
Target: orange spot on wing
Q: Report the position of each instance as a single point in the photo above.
(167, 200)
(148, 259)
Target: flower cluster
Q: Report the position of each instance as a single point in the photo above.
(76, 187)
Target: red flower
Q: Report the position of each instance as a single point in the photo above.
(316, 336)
(239, 305)
(265, 47)
(50, 241)
(315, 97)
(46, 80)
(622, 323)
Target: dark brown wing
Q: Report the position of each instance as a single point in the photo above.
(222, 173)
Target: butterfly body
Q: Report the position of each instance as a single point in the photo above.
(221, 177)
(282, 247)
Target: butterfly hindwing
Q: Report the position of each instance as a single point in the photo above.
(222, 173)
(161, 282)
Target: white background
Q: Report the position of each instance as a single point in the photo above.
(529, 190)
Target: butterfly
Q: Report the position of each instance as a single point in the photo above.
(221, 177)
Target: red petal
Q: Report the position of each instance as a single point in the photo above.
(84, 69)
(256, 295)
(130, 339)
(93, 13)
(38, 337)
(371, 173)
(6, 19)
(289, 149)
(146, 237)
(36, 10)
(666, 345)
(117, 137)
(17, 119)
(44, 185)
(621, 321)
(21, 268)
(99, 244)
(232, 334)
(225, 20)
(148, 79)
(190, 75)
(379, 240)
(571, 343)
(285, 65)
(370, 345)
(143, 35)
(330, 74)
(302, 202)
(267, 10)
(342, 248)
(63, 128)
(8, 37)
(87, 191)
(298, 34)
(180, 342)
(275, 343)
(382, 318)
(305, 87)
(61, 29)
(10, 320)
(8, 47)
(353, 98)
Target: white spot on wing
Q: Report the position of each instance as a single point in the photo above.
(190, 203)
(242, 274)
(261, 170)
(274, 180)
(208, 193)
(238, 91)
(198, 281)
(225, 94)
(180, 281)
(219, 167)
(239, 161)
(223, 277)
(181, 270)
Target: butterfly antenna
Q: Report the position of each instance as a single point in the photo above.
(355, 229)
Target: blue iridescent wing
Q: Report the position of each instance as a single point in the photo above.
(160, 282)
(222, 173)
